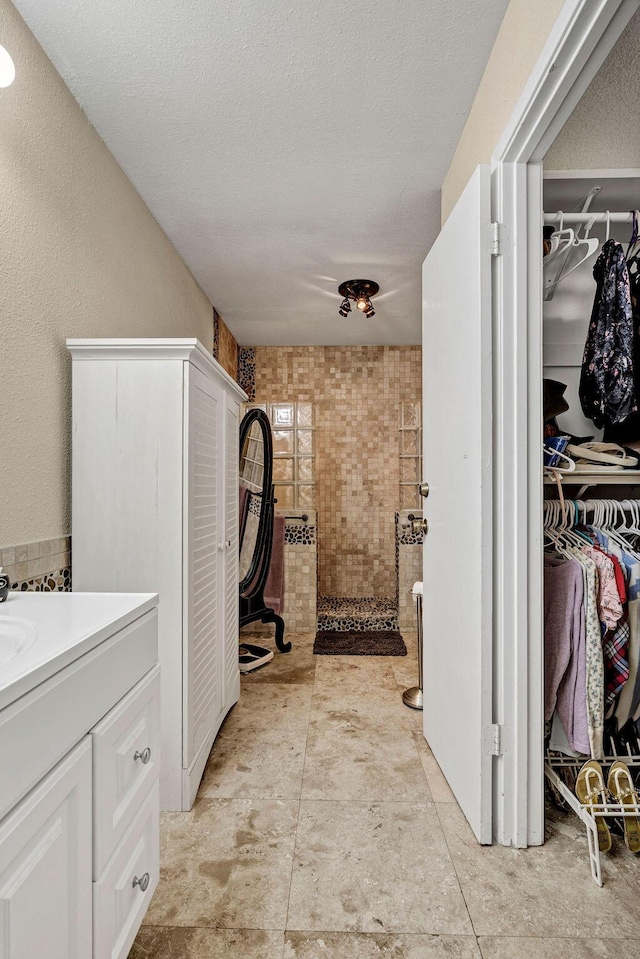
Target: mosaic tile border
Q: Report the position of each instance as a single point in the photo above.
(216, 334)
(57, 582)
(29, 564)
(247, 371)
(404, 534)
(299, 534)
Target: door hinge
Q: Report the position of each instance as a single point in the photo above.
(496, 239)
(495, 740)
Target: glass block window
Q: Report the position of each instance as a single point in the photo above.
(410, 454)
(292, 426)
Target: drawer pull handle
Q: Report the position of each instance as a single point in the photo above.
(143, 882)
(145, 755)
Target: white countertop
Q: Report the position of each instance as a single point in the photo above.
(67, 626)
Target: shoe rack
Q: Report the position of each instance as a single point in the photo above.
(554, 763)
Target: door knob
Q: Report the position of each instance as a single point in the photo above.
(143, 882)
(420, 526)
(424, 489)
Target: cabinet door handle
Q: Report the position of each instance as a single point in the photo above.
(144, 756)
(228, 544)
(143, 882)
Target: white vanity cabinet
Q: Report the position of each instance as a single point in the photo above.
(45, 866)
(155, 507)
(79, 769)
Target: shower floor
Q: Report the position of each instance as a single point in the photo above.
(344, 613)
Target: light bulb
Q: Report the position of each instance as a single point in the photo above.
(7, 68)
(362, 303)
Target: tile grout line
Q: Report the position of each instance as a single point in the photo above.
(295, 838)
(455, 869)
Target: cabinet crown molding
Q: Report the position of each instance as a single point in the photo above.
(188, 350)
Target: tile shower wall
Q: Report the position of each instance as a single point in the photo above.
(357, 392)
(300, 574)
(300, 577)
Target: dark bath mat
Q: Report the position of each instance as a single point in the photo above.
(371, 642)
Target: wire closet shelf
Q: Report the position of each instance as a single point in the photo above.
(578, 511)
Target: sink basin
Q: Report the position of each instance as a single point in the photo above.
(16, 636)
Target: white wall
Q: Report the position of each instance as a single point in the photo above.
(524, 32)
(604, 129)
(80, 255)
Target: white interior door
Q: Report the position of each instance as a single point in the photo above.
(457, 388)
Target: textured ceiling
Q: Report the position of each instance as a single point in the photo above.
(283, 146)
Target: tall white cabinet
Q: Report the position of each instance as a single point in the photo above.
(154, 508)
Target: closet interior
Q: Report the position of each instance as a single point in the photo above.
(591, 389)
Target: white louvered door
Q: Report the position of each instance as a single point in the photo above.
(202, 676)
(230, 571)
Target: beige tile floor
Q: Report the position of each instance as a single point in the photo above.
(324, 829)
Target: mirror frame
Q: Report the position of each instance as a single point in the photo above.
(252, 604)
(262, 542)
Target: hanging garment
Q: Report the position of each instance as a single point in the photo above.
(608, 599)
(615, 642)
(632, 568)
(607, 385)
(615, 645)
(594, 661)
(629, 430)
(615, 638)
(565, 682)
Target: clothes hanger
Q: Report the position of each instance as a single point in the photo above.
(583, 537)
(572, 535)
(613, 531)
(623, 531)
(564, 240)
(551, 519)
(588, 246)
(560, 533)
(633, 507)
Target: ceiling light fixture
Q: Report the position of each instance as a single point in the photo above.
(7, 68)
(361, 292)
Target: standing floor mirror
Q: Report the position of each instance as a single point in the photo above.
(256, 533)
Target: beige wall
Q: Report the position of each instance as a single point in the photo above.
(603, 132)
(523, 33)
(356, 392)
(80, 255)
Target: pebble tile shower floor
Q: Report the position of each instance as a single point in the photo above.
(343, 614)
(324, 829)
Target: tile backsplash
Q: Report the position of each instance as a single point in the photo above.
(43, 566)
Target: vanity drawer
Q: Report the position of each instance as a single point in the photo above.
(122, 894)
(38, 729)
(126, 763)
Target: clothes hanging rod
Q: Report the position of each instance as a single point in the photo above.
(573, 219)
